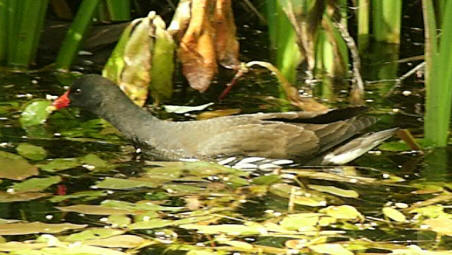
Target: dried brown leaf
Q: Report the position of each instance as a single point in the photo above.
(197, 50)
(226, 44)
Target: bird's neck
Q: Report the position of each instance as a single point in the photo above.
(130, 119)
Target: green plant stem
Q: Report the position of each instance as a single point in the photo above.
(24, 33)
(363, 24)
(119, 9)
(439, 82)
(283, 40)
(431, 43)
(3, 30)
(74, 36)
(387, 18)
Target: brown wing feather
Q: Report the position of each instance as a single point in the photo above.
(272, 140)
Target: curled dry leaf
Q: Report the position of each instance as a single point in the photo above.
(181, 19)
(226, 44)
(161, 85)
(197, 50)
(142, 59)
(135, 76)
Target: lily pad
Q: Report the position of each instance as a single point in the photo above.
(31, 151)
(60, 164)
(95, 210)
(15, 167)
(83, 195)
(36, 227)
(119, 220)
(94, 162)
(199, 168)
(121, 241)
(335, 191)
(301, 221)
(117, 183)
(93, 233)
(345, 212)
(330, 248)
(6, 197)
(35, 113)
(36, 184)
(139, 206)
(441, 225)
(229, 229)
(394, 214)
(297, 194)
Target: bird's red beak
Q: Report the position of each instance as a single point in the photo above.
(63, 101)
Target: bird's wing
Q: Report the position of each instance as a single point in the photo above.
(266, 139)
(335, 133)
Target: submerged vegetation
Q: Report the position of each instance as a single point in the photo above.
(69, 184)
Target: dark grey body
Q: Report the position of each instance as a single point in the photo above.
(293, 135)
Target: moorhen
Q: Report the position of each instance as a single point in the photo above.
(289, 135)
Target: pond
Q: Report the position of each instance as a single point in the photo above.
(73, 185)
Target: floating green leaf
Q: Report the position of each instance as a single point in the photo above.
(229, 229)
(345, 212)
(6, 197)
(151, 224)
(139, 206)
(394, 214)
(441, 225)
(94, 162)
(31, 151)
(266, 179)
(330, 248)
(117, 183)
(60, 164)
(119, 220)
(35, 113)
(297, 194)
(36, 227)
(95, 210)
(335, 191)
(300, 221)
(121, 241)
(93, 233)
(36, 184)
(83, 195)
(15, 167)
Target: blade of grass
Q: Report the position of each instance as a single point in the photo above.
(41, 14)
(74, 36)
(363, 24)
(12, 21)
(387, 17)
(283, 40)
(431, 43)
(119, 9)
(3, 31)
(439, 90)
(29, 18)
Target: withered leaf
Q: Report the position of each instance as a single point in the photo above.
(197, 50)
(226, 44)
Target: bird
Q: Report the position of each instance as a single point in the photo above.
(326, 138)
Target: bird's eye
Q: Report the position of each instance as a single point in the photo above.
(78, 91)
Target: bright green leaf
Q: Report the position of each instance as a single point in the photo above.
(31, 151)
(36, 184)
(35, 113)
(15, 167)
